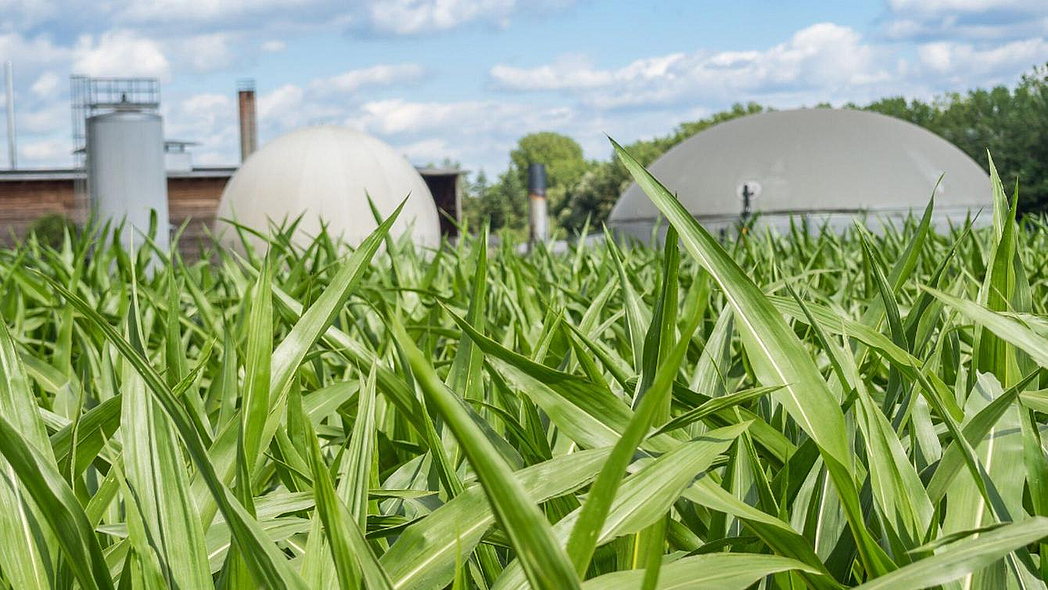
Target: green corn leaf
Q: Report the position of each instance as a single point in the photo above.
(545, 563)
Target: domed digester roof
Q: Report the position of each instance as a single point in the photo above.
(326, 173)
(827, 164)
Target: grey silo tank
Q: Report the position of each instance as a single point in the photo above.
(126, 175)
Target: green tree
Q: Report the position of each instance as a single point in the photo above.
(565, 164)
(1011, 123)
(503, 204)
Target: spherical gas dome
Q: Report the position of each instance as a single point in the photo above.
(824, 164)
(325, 173)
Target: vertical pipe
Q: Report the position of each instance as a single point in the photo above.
(537, 214)
(12, 147)
(248, 119)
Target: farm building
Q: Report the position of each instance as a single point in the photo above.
(124, 167)
(823, 165)
(329, 172)
(193, 195)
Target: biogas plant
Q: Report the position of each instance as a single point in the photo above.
(823, 166)
(127, 171)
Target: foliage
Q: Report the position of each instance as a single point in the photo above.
(51, 229)
(1011, 123)
(564, 162)
(808, 410)
(502, 205)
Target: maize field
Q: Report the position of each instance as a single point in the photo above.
(804, 410)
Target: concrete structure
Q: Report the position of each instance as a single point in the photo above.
(327, 173)
(126, 174)
(825, 165)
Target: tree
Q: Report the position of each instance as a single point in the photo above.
(1011, 124)
(562, 157)
(503, 204)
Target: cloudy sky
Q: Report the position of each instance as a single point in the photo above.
(463, 79)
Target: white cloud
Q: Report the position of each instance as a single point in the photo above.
(200, 116)
(478, 133)
(410, 17)
(204, 11)
(120, 53)
(43, 152)
(46, 85)
(324, 100)
(51, 116)
(827, 58)
(209, 120)
(31, 54)
(378, 75)
(430, 151)
(960, 20)
(943, 6)
(23, 14)
(285, 98)
(966, 62)
(290, 106)
(273, 46)
(207, 53)
(574, 72)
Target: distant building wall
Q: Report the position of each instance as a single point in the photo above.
(28, 195)
(194, 200)
(23, 202)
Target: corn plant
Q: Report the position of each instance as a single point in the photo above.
(793, 409)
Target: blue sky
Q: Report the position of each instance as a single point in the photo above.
(463, 79)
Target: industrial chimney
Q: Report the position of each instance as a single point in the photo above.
(248, 119)
(537, 213)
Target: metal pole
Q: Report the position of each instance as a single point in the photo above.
(538, 216)
(12, 148)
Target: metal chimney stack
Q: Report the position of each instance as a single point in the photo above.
(12, 147)
(538, 217)
(248, 118)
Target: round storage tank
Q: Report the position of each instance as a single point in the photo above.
(126, 176)
(825, 165)
(325, 174)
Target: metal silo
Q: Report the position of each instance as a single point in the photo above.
(126, 175)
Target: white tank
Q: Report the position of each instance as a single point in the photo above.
(325, 174)
(126, 175)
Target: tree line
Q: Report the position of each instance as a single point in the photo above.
(1010, 123)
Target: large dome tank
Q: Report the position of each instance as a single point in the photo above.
(326, 173)
(825, 165)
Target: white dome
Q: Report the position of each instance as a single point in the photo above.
(326, 173)
(824, 163)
